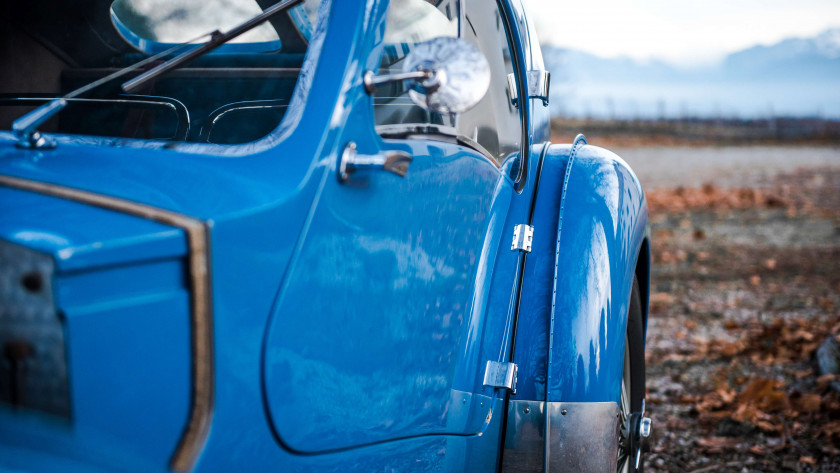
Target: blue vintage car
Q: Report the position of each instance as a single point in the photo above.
(328, 236)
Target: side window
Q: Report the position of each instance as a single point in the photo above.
(494, 124)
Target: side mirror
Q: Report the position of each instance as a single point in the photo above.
(448, 75)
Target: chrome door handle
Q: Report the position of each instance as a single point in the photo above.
(392, 161)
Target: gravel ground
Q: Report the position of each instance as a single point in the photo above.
(745, 288)
(727, 166)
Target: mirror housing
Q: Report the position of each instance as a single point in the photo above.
(448, 75)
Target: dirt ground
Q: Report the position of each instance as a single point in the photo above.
(745, 288)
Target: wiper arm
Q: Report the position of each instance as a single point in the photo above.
(216, 39)
(25, 127)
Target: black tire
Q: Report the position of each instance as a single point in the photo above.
(634, 375)
(636, 340)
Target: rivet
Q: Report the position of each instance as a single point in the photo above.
(563, 412)
(527, 410)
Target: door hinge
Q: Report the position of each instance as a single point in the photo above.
(522, 237)
(501, 375)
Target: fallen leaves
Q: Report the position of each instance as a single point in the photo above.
(711, 197)
(735, 326)
(782, 341)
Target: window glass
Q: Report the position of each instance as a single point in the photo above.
(408, 23)
(177, 21)
(236, 94)
(494, 123)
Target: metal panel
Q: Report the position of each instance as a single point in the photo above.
(33, 368)
(561, 436)
(601, 227)
(582, 436)
(524, 437)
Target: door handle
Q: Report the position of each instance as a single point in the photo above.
(392, 161)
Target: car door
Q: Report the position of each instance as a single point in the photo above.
(378, 330)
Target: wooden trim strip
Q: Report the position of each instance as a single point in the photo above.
(201, 411)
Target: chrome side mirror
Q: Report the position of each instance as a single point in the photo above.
(448, 75)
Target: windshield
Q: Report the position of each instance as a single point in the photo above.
(168, 21)
(236, 94)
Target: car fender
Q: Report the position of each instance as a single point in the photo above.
(591, 233)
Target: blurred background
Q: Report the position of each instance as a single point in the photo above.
(729, 112)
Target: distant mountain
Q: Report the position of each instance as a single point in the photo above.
(796, 76)
(792, 58)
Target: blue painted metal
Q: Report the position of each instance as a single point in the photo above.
(352, 321)
(603, 222)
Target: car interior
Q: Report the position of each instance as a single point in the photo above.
(236, 95)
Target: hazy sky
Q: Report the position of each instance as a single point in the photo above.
(681, 31)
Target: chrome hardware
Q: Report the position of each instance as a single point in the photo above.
(372, 80)
(523, 236)
(448, 75)
(538, 86)
(501, 375)
(392, 161)
(635, 434)
(25, 127)
(644, 427)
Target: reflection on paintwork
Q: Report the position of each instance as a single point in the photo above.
(415, 263)
(592, 289)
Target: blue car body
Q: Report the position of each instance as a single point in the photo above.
(241, 309)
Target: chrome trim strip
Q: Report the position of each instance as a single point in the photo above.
(198, 235)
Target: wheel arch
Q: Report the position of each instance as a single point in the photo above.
(591, 236)
(643, 276)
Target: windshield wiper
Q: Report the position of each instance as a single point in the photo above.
(25, 127)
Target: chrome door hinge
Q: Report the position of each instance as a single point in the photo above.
(522, 237)
(501, 375)
(538, 86)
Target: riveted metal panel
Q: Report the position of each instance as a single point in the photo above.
(582, 436)
(524, 437)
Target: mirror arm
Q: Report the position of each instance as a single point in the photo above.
(372, 80)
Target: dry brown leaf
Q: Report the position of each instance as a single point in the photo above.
(826, 379)
(759, 450)
(731, 325)
(808, 403)
(808, 460)
(717, 444)
(764, 394)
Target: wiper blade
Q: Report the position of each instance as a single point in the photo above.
(25, 127)
(216, 39)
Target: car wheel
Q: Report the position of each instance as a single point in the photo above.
(634, 426)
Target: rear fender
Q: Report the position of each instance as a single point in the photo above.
(590, 237)
(590, 232)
